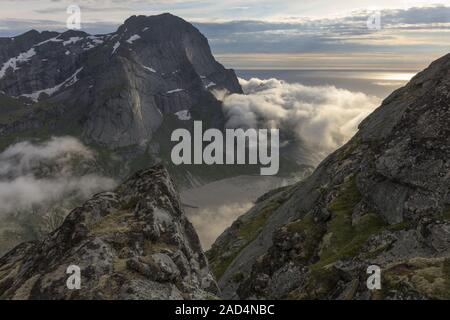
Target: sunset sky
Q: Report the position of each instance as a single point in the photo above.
(273, 34)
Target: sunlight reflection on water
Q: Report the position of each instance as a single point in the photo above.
(379, 83)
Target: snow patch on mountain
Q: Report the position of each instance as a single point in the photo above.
(133, 38)
(55, 39)
(92, 42)
(13, 62)
(149, 69)
(116, 46)
(174, 91)
(210, 84)
(96, 39)
(72, 40)
(183, 115)
(50, 91)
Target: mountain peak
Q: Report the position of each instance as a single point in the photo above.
(132, 243)
(163, 21)
(73, 33)
(142, 19)
(151, 68)
(427, 92)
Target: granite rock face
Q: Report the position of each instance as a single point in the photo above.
(132, 243)
(382, 199)
(114, 89)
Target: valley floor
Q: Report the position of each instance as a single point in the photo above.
(215, 206)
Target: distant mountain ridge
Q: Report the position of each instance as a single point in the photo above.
(118, 86)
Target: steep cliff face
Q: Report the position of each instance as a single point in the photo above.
(382, 199)
(114, 89)
(132, 243)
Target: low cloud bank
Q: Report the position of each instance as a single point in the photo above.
(23, 157)
(42, 174)
(323, 118)
(210, 222)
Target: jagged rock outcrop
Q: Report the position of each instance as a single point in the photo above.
(132, 243)
(382, 199)
(114, 90)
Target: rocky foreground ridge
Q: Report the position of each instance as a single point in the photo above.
(382, 199)
(132, 243)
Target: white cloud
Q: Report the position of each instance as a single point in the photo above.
(22, 157)
(324, 118)
(210, 222)
(26, 192)
(43, 174)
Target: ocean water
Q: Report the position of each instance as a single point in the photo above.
(376, 83)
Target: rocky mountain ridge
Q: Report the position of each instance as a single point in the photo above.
(132, 243)
(382, 199)
(121, 84)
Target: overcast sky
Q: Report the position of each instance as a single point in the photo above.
(283, 34)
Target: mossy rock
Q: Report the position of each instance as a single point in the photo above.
(312, 233)
(424, 277)
(238, 277)
(251, 229)
(446, 213)
(344, 238)
(246, 232)
(118, 222)
(320, 282)
(404, 225)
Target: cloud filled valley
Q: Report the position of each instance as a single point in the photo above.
(323, 118)
(40, 182)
